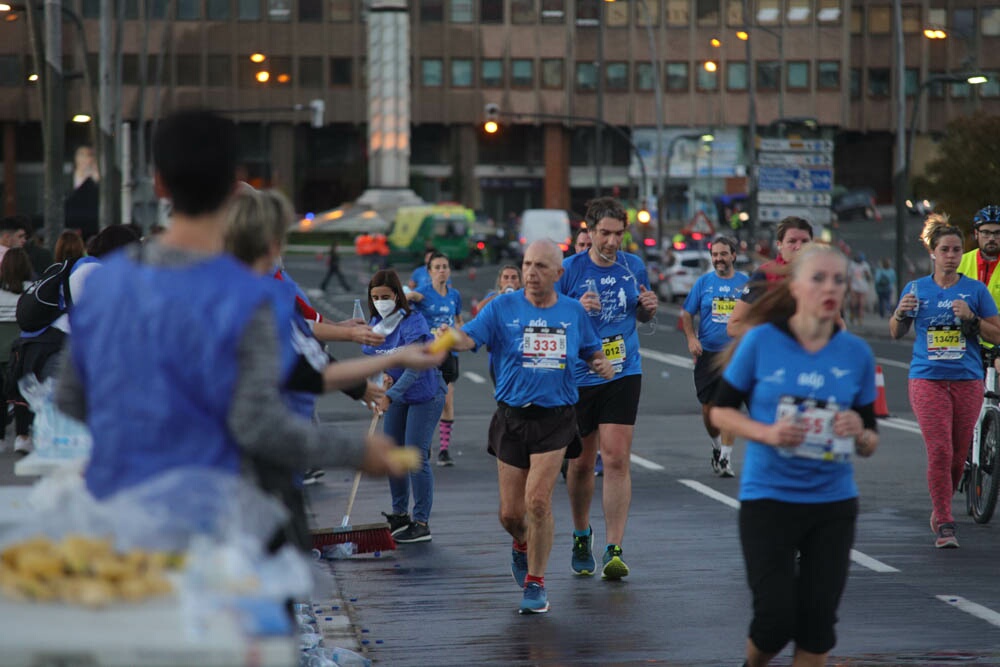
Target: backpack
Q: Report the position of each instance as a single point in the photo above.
(46, 299)
(883, 282)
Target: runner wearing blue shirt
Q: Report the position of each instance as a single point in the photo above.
(441, 306)
(613, 287)
(713, 298)
(810, 391)
(535, 335)
(950, 312)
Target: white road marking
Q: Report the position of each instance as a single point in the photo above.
(973, 608)
(901, 424)
(861, 559)
(645, 463)
(892, 362)
(667, 358)
(475, 377)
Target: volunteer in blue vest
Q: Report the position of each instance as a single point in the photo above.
(949, 313)
(441, 306)
(981, 264)
(809, 389)
(613, 288)
(712, 298)
(412, 404)
(201, 345)
(536, 335)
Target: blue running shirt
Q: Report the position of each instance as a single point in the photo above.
(619, 288)
(713, 298)
(941, 351)
(768, 365)
(437, 309)
(533, 348)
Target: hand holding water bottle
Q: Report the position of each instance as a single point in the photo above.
(908, 305)
(591, 299)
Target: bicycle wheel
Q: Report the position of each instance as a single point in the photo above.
(985, 482)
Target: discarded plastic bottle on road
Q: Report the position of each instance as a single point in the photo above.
(388, 324)
(359, 312)
(339, 551)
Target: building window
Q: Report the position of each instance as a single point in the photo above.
(677, 77)
(734, 13)
(431, 73)
(10, 71)
(828, 75)
(461, 73)
(491, 11)
(828, 11)
(964, 21)
(616, 77)
(279, 10)
(935, 89)
(616, 14)
(960, 90)
(736, 76)
(798, 12)
(188, 10)
(857, 20)
(553, 11)
(878, 81)
(937, 17)
(644, 76)
(491, 73)
(461, 11)
(911, 19)
(678, 12)
(522, 73)
(431, 11)
(707, 80)
(708, 12)
(879, 20)
(798, 75)
(522, 12)
(341, 72)
(587, 13)
(855, 83)
(90, 9)
(310, 74)
(249, 10)
(158, 10)
(989, 22)
(586, 77)
(768, 75)
(992, 87)
(218, 71)
(912, 81)
(130, 70)
(642, 19)
(769, 12)
(341, 10)
(217, 10)
(281, 71)
(131, 9)
(552, 73)
(310, 11)
(188, 70)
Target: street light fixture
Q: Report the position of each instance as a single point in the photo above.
(666, 190)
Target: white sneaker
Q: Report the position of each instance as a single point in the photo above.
(22, 445)
(725, 469)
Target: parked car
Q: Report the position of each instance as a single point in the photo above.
(675, 278)
(545, 223)
(858, 203)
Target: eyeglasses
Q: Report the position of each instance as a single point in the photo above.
(989, 233)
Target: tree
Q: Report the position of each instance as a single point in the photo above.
(966, 174)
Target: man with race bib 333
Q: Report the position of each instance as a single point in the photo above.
(612, 285)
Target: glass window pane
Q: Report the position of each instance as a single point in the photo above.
(992, 87)
(642, 19)
(617, 77)
(158, 10)
(217, 10)
(990, 21)
(431, 11)
(522, 11)
(586, 12)
(769, 12)
(310, 73)
(188, 10)
(911, 19)
(522, 73)
(879, 20)
(219, 71)
(462, 11)
(799, 12)
(90, 9)
(935, 89)
(586, 77)
(964, 21)
(491, 73)
(341, 72)
(431, 72)
(878, 81)
(281, 71)
(678, 12)
(798, 75)
(616, 14)
(734, 13)
(644, 76)
(708, 12)
(937, 17)
(912, 81)
(552, 73)
(11, 73)
(855, 83)
(461, 73)
(341, 10)
(857, 20)
(310, 11)
(707, 80)
(249, 10)
(132, 9)
(768, 75)
(491, 11)
(828, 11)
(960, 90)
(188, 70)
(553, 11)
(279, 11)
(677, 77)
(736, 76)
(828, 75)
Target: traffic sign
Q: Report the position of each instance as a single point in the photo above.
(795, 160)
(818, 215)
(794, 178)
(796, 145)
(794, 198)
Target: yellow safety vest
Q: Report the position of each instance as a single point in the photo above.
(969, 267)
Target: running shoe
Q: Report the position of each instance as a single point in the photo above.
(23, 445)
(946, 538)
(534, 601)
(934, 523)
(312, 476)
(444, 458)
(518, 566)
(583, 562)
(716, 458)
(397, 522)
(725, 469)
(415, 532)
(614, 567)
(599, 466)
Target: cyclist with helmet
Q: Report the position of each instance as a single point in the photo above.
(981, 264)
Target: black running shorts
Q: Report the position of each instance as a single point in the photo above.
(449, 369)
(614, 402)
(517, 433)
(706, 376)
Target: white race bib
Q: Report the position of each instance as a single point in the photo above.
(820, 442)
(544, 347)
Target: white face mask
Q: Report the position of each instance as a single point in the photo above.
(385, 307)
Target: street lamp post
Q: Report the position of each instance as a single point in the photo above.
(665, 194)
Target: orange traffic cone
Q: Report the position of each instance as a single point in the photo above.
(881, 407)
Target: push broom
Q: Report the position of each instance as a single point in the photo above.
(372, 537)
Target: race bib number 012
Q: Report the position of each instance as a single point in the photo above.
(945, 342)
(614, 350)
(544, 347)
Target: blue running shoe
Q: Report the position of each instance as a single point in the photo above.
(583, 562)
(518, 566)
(599, 466)
(614, 567)
(534, 601)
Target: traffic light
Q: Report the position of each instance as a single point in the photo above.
(492, 112)
(643, 217)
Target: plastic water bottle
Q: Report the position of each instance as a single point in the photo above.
(508, 290)
(388, 324)
(916, 309)
(359, 312)
(842, 445)
(592, 286)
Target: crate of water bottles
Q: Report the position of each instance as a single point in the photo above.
(313, 653)
(55, 436)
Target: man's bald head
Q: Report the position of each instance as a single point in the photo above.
(545, 248)
(541, 268)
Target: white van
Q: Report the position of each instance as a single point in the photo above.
(545, 223)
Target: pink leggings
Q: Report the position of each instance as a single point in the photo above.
(946, 411)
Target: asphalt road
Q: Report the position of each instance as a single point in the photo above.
(452, 601)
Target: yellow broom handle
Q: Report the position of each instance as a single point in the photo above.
(376, 415)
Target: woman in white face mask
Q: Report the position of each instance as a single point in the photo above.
(412, 404)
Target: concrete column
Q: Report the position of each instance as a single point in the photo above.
(463, 175)
(282, 158)
(556, 192)
(9, 170)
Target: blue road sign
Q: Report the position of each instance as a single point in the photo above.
(792, 178)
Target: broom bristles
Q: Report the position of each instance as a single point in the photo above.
(367, 538)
